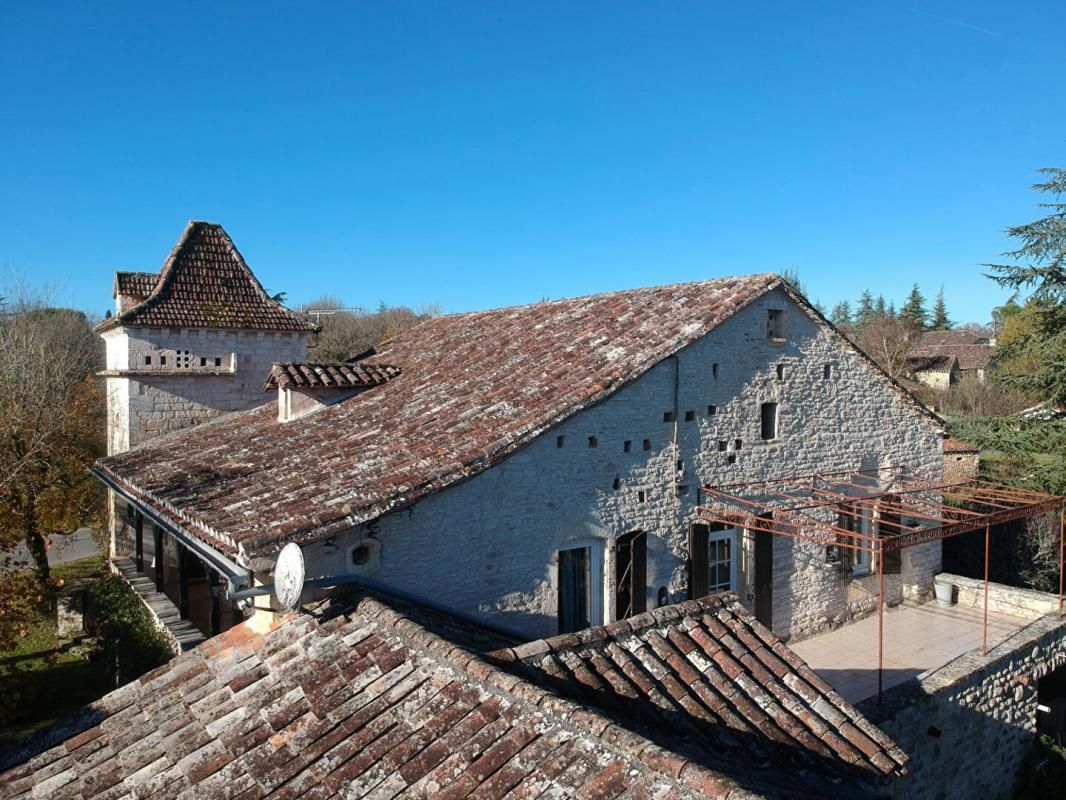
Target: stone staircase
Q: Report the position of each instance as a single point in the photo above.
(184, 634)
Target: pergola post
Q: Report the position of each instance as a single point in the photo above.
(138, 540)
(880, 617)
(984, 631)
(1062, 548)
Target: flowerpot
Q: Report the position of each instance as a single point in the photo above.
(944, 591)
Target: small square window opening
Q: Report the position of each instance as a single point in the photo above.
(775, 324)
(690, 416)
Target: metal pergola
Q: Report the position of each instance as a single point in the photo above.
(908, 510)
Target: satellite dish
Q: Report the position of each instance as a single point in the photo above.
(289, 576)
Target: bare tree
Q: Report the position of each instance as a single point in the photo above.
(347, 332)
(51, 417)
(888, 342)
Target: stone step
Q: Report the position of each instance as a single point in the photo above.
(162, 608)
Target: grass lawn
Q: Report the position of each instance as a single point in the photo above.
(43, 679)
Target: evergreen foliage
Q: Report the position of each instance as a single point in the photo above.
(866, 315)
(1039, 266)
(841, 314)
(914, 310)
(940, 320)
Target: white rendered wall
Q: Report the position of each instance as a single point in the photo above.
(488, 546)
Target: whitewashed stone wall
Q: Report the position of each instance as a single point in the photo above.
(967, 726)
(488, 546)
(207, 373)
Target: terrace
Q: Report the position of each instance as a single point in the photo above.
(874, 514)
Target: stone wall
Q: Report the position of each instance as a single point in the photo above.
(968, 725)
(206, 373)
(960, 466)
(637, 461)
(1025, 603)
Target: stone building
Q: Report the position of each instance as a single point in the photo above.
(935, 370)
(186, 345)
(542, 467)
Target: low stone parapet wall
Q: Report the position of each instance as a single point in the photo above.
(967, 725)
(1002, 599)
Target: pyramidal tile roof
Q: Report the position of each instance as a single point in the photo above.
(204, 283)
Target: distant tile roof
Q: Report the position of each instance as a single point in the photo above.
(329, 375)
(204, 283)
(367, 697)
(954, 337)
(135, 284)
(706, 679)
(956, 446)
(930, 361)
(474, 388)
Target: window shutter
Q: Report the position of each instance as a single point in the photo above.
(640, 573)
(698, 583)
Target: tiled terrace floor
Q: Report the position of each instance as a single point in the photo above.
(917, 639)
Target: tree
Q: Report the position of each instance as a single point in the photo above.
(888, 342)
(940, 320)
(51, 422)
(1039, 266)
(865, 315)
(841, 314)
(880, 307)
(347, 332)
(913, 310)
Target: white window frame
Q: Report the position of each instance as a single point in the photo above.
(864, 558)
(729, 534)
(595, 578)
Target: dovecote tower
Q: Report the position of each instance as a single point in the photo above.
(192, 342)
(188, 344)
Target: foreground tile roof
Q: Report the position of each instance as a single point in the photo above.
(329, 375)
(957, 446)
(204, 283)
(473, 389)
(369, 695)
(705, 679)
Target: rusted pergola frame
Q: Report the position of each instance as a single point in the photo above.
(908, 510)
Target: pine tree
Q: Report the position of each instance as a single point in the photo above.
(880, 307)
(865, 315)
(1040, 266)
(913, 310)
(940, 321)
(841, 314)
(892, 309)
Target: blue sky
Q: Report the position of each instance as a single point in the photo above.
(486, 154)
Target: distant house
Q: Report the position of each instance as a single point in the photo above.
(972, 352)
(934, 369)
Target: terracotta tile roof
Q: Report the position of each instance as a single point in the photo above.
(205, 283)
(971, 356)
(329, 375)
(706, 679)
(361, 698)
(946, 338)
(135, 284)
(930, 361)
(474, 388)
(955, 446)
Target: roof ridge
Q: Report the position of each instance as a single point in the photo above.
(172, 266)
(771, 277)
(567, 713)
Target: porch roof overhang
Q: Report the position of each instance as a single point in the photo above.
(910, 509)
